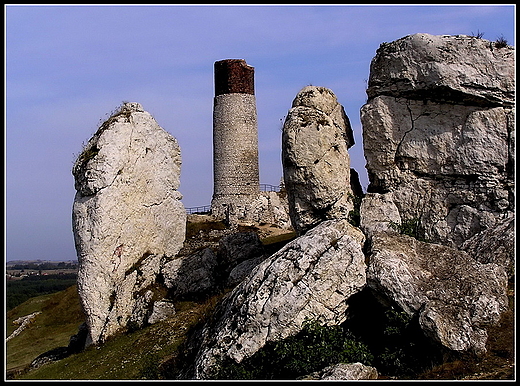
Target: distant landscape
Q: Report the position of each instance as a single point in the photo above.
(26, 279)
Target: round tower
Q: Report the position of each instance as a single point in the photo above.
(235, 138)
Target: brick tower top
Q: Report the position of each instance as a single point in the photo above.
(234, 76)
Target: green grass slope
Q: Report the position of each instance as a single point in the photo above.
(134, 355)
(60, 317)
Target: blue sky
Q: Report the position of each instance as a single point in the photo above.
(67, 67)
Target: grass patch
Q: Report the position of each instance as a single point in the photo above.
(411, 227)
(18, 291)
(139, 354)
(60, 318)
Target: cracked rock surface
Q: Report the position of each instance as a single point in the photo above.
(127, 218)
(455, 297)
(438, 133)
(316, 163)
(311, 277)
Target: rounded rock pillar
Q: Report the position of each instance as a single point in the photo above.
(235, 140)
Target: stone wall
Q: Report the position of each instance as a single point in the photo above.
(235, 137)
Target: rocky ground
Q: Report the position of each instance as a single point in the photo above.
(497, 364)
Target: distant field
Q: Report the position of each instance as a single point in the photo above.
(20, 289)
(17, 274)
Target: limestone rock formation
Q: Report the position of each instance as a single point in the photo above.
(161, 310)
(127, 218)
(205, 271)
(455, 297)
(316, 163)
(311, 277)
(495, 245)
(261, 208)
(343, 372)
(377, 213)
(193, 275)
(438, 133)
(270, 208)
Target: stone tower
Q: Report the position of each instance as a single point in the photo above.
(235, 139)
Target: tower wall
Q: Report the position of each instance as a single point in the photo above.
(235, 138)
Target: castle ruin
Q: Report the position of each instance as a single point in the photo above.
(235, 138)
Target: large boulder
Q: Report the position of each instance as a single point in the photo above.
(205, 272)
(193, 276)
(495, 245)
(311, 277)
(316, 164)
(127, 218)
(455, 297)
(438, 133)
(343, 372)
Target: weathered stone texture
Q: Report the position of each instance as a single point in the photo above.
(343, 372)
(193, 275)
(447, 68)
(127, 217)
(377, 214)
(316, 163)
(438, 133)
(455, 297)
(495, 245)
(311, 277)
(235, 152)
(270, 208)
(234, 76)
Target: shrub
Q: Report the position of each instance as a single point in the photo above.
(411, 227)
(313, 348)
(478, 35)
(501, 42)
(395, 339)
(354, 216)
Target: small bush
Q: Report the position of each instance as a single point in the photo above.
(396, 340)
(411, 227)
(313, 348)
(478, 35)
(501, 42)
(354, 216)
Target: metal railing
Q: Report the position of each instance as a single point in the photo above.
(269, 188)
(207, 208)
(199, 209)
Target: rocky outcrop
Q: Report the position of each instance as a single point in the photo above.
(22, 323)
(495, 245)
(316, 164)
(311, 277)
(191, 276)
(261, 208)
(455, 297)
(438, 133)
(377, 214)
(343, 372)
(271, 208)
(207, 271)
(127, 218)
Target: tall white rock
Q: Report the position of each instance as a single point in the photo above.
(127, 219)
(316, 163)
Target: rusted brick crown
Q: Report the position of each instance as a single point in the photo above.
(234, 76)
